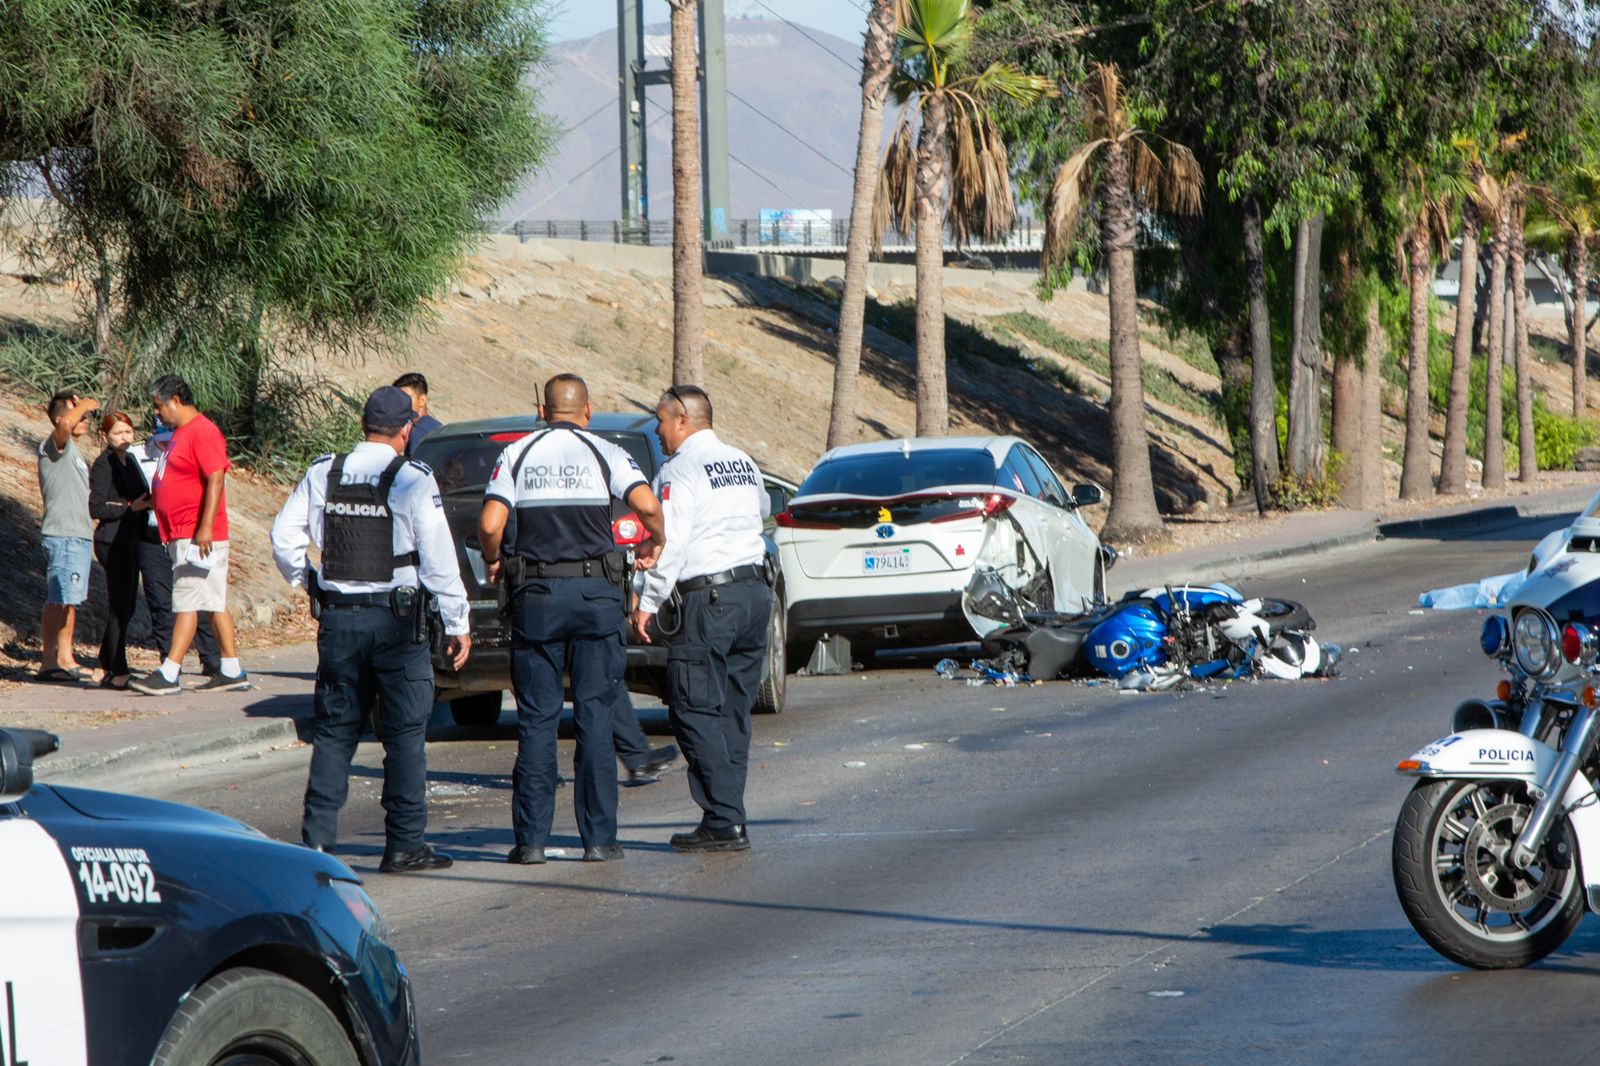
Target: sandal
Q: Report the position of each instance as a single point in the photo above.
(58, 676)
(110, 682)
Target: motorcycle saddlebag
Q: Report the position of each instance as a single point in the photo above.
(1051, 650)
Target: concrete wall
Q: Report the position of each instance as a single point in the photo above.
(801, 269)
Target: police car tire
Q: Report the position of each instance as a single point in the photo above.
(244, 1010)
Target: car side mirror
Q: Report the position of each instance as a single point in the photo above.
(1086, 495)
(18, 749)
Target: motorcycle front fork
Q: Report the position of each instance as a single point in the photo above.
(1575, 747)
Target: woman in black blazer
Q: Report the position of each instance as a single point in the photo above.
(118, 498)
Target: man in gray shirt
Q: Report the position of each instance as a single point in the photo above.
(67, 531)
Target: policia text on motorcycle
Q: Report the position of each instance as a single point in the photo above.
(714, 502)
(387, 559)
(562, 578)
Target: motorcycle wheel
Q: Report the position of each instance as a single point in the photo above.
(1451, 845)
(1285, 614)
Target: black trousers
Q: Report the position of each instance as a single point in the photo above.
(155, 567)
(713, 674)
(362, 651)
(627, 735)
(120, 560)
(570, 626)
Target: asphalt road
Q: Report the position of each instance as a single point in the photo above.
(943, 874)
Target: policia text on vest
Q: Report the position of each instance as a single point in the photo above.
(387, 554)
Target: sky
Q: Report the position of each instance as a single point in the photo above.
(572, 19)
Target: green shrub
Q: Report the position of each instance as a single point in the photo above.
(1297, 493)
(38, 362)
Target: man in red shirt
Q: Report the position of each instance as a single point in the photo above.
(191, 507)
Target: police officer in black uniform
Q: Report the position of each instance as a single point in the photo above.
(387, 556)
(564, 579)
(715, 501)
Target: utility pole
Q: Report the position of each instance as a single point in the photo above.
(633, 78)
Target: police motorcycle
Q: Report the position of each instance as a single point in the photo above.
(1497, 846)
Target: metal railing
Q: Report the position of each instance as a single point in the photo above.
(814, 236)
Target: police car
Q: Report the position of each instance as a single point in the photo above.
(139, 932)
(462, 455)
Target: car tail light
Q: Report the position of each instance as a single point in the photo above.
(997, 503)
(628, 530)
(788, 519)
(978, 507)
(507, 438)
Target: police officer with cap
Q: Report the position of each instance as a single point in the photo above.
(379, 522)
(564, 578)
(715, 502)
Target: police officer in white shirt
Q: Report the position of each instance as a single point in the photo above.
(379, 522)
(563, 575)
(715, 559)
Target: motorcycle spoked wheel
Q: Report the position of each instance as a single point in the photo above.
(1452, 872)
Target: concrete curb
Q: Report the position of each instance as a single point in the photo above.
(1422, 527)
(169, 752)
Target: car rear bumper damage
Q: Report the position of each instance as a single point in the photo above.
(904, 616)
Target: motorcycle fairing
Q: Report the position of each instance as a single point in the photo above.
(1502, 754)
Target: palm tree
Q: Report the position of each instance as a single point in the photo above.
(1427, 236)
(688, 312)
(1130, 172)
(1566, 220)
(958, 169)
(1475, 207)
(1497, 201)
(877, 65)
(1517, 268)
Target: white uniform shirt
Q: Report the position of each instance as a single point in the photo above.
(149, 456)
(713, 501)
(419, 525)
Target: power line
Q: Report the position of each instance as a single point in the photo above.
(607, 106)
(854, 68)
(664, 112)
(569, 182)
(791, 134)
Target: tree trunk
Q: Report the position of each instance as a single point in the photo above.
(1494, 442)
(1578, 271)
(933, 398)
(1480, 320)
(1133, 515)
(1516, 266)
(688, 312)
(877, 63)
(1453, 466)
(1346, 427)
(1305, 366)
(1263, 391)
(102, 308)
(1372, 492)
(1416, 475)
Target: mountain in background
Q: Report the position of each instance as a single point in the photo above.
(771, 65)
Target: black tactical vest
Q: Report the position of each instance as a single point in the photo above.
(358, 528)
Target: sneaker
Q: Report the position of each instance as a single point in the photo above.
(224, 683)
(155, 684)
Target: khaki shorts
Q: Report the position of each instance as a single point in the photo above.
(196, 589)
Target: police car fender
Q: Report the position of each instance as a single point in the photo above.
(41, 991)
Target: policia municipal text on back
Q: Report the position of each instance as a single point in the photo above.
(563, 579)
(387, 559)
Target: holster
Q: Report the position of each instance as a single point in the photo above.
(314, 590)
(769, 570)
(513, 572)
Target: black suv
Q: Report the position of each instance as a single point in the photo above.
(462, 455)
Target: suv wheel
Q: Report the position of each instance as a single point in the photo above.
(478, 709)
(775, 685)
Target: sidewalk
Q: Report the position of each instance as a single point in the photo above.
(106, 732)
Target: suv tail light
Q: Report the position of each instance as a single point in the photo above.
(988, 506)
(628, 530)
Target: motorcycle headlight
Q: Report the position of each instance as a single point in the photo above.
(1493, 637)
(1534, 641)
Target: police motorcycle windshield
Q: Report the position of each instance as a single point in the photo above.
(1561, 588)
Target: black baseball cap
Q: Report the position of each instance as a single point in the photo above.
(388, 406)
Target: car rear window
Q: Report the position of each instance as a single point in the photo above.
(463, 464)
(881, 475)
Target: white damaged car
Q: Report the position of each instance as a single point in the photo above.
(882, 539)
